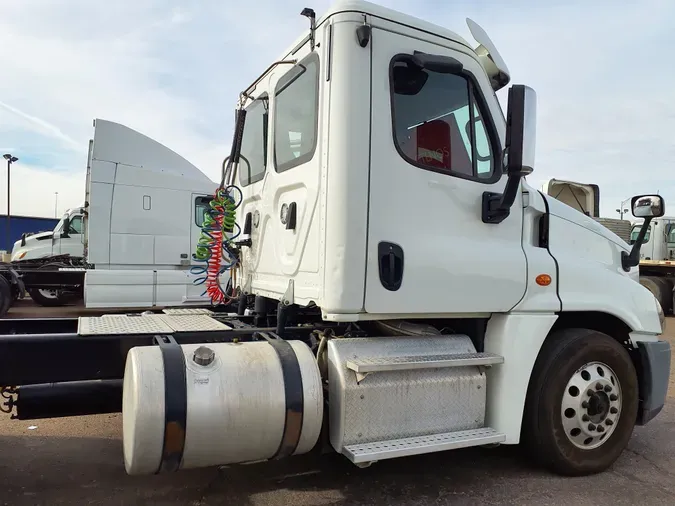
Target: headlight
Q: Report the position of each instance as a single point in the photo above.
(662, 317)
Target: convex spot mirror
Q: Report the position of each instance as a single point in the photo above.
(521, 130)
(410, 72)
(648, 206)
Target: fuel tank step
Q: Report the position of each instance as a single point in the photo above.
(418, 445)
(402, 363)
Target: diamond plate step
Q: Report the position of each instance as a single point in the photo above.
(379, 364)
(381, 450)
(147, 324)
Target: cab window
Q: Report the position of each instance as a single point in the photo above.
(634, 234)
(75, 225)
(201, 208)
(254, 143)
(439, 123)
(296, 115)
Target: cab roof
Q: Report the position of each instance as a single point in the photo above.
(361, 6)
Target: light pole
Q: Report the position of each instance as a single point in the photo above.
(621, 210)
(10, 160)
(56, 204)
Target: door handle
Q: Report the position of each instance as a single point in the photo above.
(390, 261)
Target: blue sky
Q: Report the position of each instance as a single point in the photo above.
(172, 70)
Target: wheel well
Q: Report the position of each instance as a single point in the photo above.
(595, 320)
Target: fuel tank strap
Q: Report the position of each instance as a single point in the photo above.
(175, 403)
(292, 376)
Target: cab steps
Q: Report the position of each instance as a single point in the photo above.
(418, 445)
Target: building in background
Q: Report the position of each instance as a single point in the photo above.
(23, 224)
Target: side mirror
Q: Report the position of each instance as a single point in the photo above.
(521, 127)
(66, 228)
(647, 207)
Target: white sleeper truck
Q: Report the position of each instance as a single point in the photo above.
(402, 290)
(131, 243)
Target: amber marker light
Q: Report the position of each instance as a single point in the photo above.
(543, 280)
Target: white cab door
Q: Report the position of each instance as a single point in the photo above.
(428, 249)
(281, 178)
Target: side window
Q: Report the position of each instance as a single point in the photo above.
(671, 233)
(75, 225)
(636, 231)
(296, 115)
(439, 124)
(254, 143)
(202, 207)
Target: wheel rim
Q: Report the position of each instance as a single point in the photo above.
(49, 293)
(591, 405)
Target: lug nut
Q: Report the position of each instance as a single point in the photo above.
(608, 388)
(601, 428)
(591, 426)
(613, 397)
(585, 418)
(584, 404)
(598, 386)
(613, 410)
(590, 392)
(609, 422)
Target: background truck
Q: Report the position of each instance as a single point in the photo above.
(410, 292)
(657, 259)
(130, 243)
(585, 198)
(657, 254)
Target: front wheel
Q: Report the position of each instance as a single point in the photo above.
(582, 402)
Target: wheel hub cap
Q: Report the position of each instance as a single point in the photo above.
(591, 405)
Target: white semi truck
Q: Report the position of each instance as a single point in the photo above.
(131, 243)
(410, 292)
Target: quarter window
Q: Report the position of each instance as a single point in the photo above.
(254, 143)
(438, 123)
(296, 115)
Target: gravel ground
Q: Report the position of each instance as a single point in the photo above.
(79, 462)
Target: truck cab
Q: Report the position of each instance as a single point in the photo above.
(383, 183)
(67, 238)
(659, 241)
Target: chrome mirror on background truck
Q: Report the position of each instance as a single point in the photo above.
(647, 207)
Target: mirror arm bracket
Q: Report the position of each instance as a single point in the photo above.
(497, 206)
(632, 259)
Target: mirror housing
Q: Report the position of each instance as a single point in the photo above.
(647, 207)
(66, 228)
(519, 151)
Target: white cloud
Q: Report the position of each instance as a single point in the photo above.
(172, 70)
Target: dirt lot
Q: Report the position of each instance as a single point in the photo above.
(79, 461)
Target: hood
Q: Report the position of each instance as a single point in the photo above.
(562, 210)
(34, 238)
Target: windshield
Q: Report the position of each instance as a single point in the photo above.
(634, 234)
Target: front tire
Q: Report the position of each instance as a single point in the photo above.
(581, 404)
